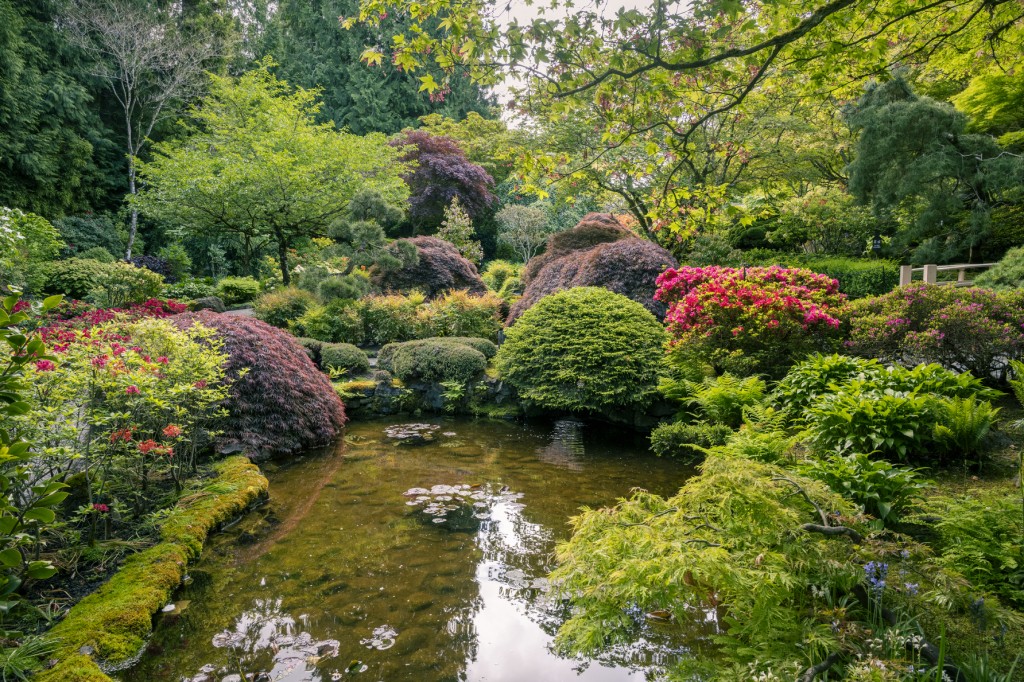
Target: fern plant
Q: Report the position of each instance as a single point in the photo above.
(723, 399)
(964, 424)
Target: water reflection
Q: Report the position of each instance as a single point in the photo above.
(364, 585)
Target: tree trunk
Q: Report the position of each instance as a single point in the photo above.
(282, 257)
(133, 223)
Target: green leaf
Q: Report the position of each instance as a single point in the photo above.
(10, 557)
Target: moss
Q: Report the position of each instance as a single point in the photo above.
(115, 620)
(357, 385)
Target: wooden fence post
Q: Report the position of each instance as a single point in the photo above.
(906, 275)
(931, 274)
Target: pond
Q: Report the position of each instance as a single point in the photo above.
(382, 560)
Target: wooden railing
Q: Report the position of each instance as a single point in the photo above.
(930, 273)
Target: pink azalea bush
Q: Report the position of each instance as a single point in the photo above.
(964, 329)
(752, 320)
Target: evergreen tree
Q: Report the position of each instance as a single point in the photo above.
(914, 159)
(314, 51)
(50, 133)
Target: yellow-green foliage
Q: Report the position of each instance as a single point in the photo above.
(115, 620)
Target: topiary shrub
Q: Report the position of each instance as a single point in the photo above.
(282, 403)
(750, 320)
(235, 290)
(386, 354)
(281, 306)
(678, 439)
(583, 349)
(440, 268)
(432, 360)
(1006, 274)
(208, 303)
(964, 329)
(626, 265)
(343, 356)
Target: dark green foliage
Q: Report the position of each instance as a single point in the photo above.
(915, 149)
(282, 306)
(432, 360)
(236, 290)
(584, 349)
(809, 379)
(50, 128)
(315, 52)
(858, 277)
(881, 489)
(679, 438)
(343, 287)
(81, 233)
(343, 356)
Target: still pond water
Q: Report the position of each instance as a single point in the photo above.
(381, 561)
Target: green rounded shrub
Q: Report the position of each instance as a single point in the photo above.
(583, 349)
(349, 286)
(343, 356)
(281, 306)
(74, 278)
(438, 359)
(190, 290)
(385, 356)
(390, 319)
(312, 347)
(97, 253)
(236, 290)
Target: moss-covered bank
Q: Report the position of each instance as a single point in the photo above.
(110, 626)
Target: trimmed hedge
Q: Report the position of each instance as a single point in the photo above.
(234, 290)
(281, 306)
(343, 356)
(437, 359)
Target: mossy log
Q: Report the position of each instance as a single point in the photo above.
(108, 628)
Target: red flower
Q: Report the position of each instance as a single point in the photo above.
(101, 508)
(147, 446)
(45, 366)
(163, 359)
(132, 390)
(172, 430)
(122, 434)
(100, 361)
(200, 384)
